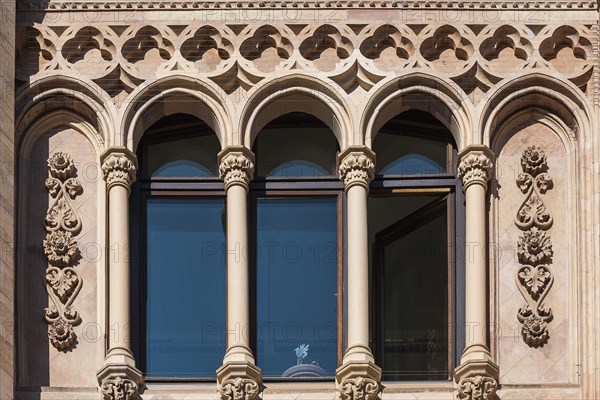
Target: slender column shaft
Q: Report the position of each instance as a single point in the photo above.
(236, 168)
(358, 267)
(119, 168)
(238, 319)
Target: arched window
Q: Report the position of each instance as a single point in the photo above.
(296, 198)
(178, 224)
(413, 235)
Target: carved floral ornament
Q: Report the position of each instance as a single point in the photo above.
(63, 283)
(359, 389)
(236, 167)
(356, 168)
(119, 389)
(475, 167)
(477, 388)
(119, 169)
(238, 389)
(534, 247)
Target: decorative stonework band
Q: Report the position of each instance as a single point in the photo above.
(534, 248)
(119, 388)
(356, 167)
(63, 283)
(236, 166)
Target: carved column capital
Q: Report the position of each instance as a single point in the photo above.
(239, 388)
(236, 166)
(356, 166)
(120, 382)
(119, 166)
(477, 388)
(475, 166)
(359, 389)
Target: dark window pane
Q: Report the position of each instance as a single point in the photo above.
(186, 287)
(407, 155)
(184, 157)
(297, 285)
(414, 257)
(295, 145)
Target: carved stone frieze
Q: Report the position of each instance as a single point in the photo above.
(119, 389)
(63, 283)
(356, 166)
(534, 248)
(119, 168)
(236, 166)
(475, 167)
(120, 59)
(239, 389)
(359, 389)
(477, 387)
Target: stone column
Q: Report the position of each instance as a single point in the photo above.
(358, 378)
(119, 378)
(238, 377)
(477, 374)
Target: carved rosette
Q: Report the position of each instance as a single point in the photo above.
(119, 389)
(236, 167)
(119, 168)
(356, 167)
(477, 388)
(534, 248)
(63, 283)
(475, 167)
(359, 389)
(238, 389)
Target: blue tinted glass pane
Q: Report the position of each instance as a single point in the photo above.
(409, 155)
(297, 286)
(183, 168)
(186, 287)
(195, 155)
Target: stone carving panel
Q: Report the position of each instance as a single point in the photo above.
(534, 277)
(63, 282)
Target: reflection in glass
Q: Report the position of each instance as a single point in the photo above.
(186, 287)
(297, 284)
(408, 155)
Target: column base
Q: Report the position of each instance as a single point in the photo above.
(358, 380)
(477, 379)
(120, 382)
(239, 380)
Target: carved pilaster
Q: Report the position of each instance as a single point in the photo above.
(63, 283)
(477, 388)
(236, 166)
(359, 389)
(356, 166)
(119, 166)
(475, 166)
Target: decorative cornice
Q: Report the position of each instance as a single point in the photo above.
(359, 389)
(236, 166)
(119, 167)
(475, 166)
(477, 388)
(300, 4)
(356, 166)
(238, 389)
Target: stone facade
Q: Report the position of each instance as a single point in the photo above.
(508, 79)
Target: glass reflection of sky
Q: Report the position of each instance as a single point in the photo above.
(186, 287)
(182, 168)
(413, 164)
(299, 168)
(297, 282)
